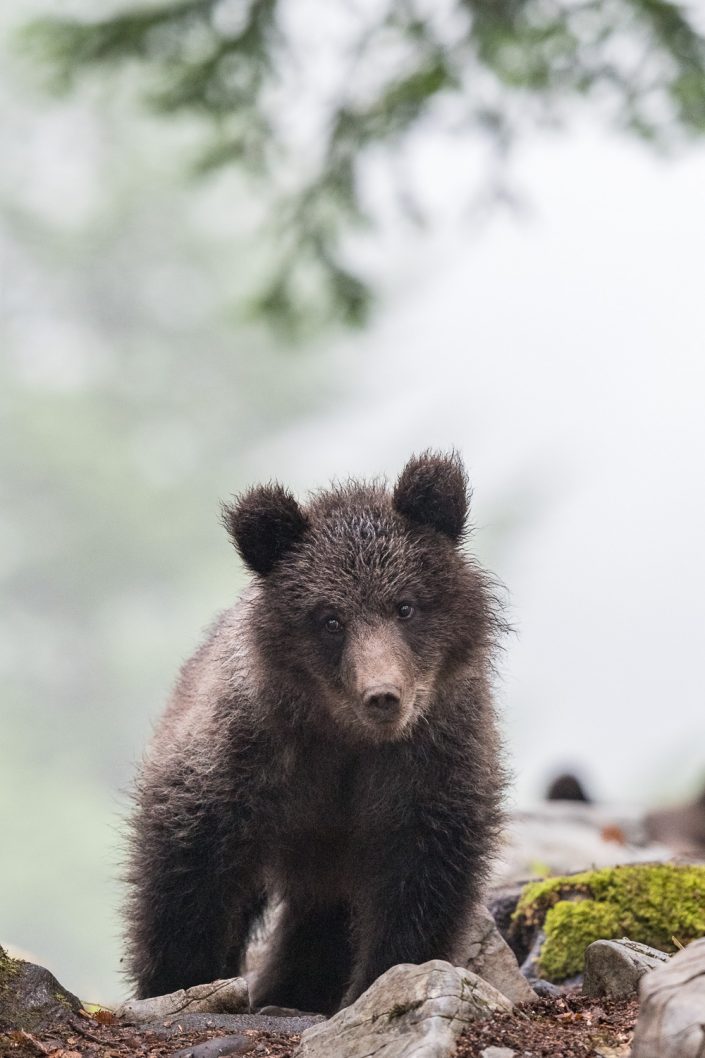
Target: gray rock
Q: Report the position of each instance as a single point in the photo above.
(409, 1012)
(671, 1022)
(497, 1052)
(490, 957)
(681, 828)
(567, 836)
(217, 1048)
(30, 997)
(530, 966)
(546, 989)
(218, 997)
(615, 967)
(502, 902)
(231, 1023)
(284, 1012)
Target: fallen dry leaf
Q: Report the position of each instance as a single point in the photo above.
(604, 1050)
(613, 833)
(104, 1016)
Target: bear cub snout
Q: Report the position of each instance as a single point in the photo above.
(330, 750)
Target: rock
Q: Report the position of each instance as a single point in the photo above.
(217, 1048)
(490, 957)
(531, 966)
(31, 998)
(230, 1023)
(671, 1022)
(546, 990)
(219, 997)
(497, 1052)
(284, 1012)
(409, 1012)
(561, 837)
(681, 828)
(615, 967)
(501, 904)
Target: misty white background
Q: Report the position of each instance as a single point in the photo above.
(559, 348)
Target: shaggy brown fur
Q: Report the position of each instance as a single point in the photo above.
(331, 746)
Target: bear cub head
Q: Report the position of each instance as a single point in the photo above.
(365, 599)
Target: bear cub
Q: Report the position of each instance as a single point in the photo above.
(331, 748)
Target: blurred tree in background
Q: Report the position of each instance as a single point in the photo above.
(300, 96)
(128, 406)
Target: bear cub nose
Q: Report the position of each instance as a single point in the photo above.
(386, 699)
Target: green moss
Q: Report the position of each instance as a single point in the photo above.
(8, 968)
(5, 960)
(570, 928)
(648, 903)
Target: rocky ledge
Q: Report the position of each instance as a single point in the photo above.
(606, 949)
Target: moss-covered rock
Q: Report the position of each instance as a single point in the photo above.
(650, 903)
(30, 997)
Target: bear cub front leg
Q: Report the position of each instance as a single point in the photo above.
(193, 902)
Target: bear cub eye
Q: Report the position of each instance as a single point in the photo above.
(333, 625)
(404, 611)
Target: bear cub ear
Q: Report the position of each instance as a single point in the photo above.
(264, 523)
(433, 490)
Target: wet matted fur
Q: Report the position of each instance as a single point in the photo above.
(331, 746)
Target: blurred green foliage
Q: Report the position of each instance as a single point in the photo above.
(368, 77)
(129, 405)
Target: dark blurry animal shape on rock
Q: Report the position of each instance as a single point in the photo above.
(567, 787)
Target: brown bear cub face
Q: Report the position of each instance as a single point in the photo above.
(363, 594)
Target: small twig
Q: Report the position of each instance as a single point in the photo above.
(84, 1032)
